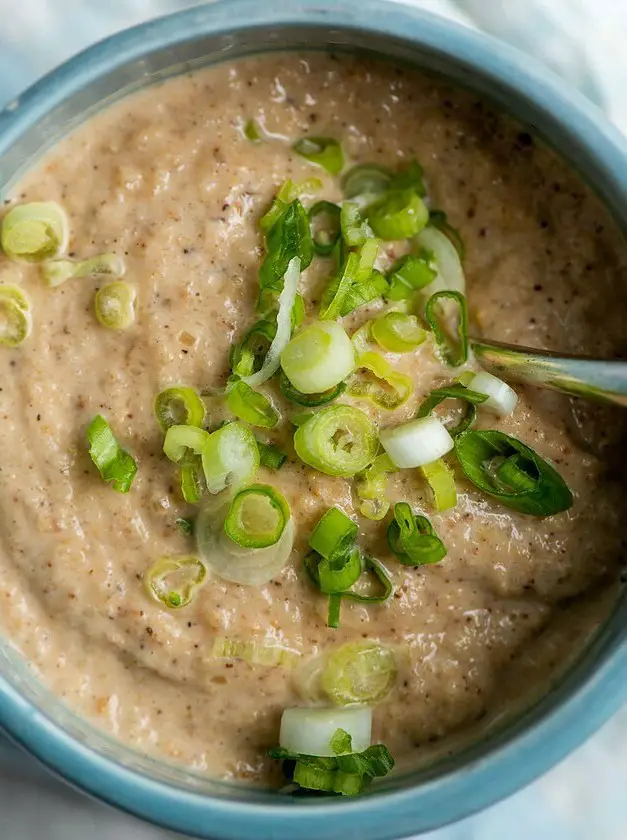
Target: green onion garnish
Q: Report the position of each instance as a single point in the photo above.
(378, 578)
(113, 462)
(192, 479)
(409, 177)
(412, 539)
(438, 219)
(270, 457)
(309, 400)
(365, 291)
(359, 672)
(371, 487)
(251, 131)
(247, 356)
(335, 294)
(179, 406)
(15, 316)
(511, 472)
(454, 392)
(257, 516)
(442, 483)
(335, 610)
(181, 441)
(324, 218)
(366, 181)
(114, 305)
(56, 272)
(397, 215)
(341, 742)
(288, 238)
(251, 406)
(408, 275)
(337, 440)
(355, 229)
(230, 457)
(318, 358)
(454, 350)
(322, 151)
(397, 332)
(339, 573)
(416, 443)
(269, 654)
(185, 526)
(34, 232)
(172, 581)
(333, 535)
(378, 382)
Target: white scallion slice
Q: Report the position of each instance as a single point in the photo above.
(309, 731)
(256, 652)
(114, 305)
(319, 357)
(286, 301)
(56, 272)
(417, 443)
(501, 398)
(232, 562)
(450, 273)
(34, 232)
(230, 458)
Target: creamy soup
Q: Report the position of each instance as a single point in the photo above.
(174, 181)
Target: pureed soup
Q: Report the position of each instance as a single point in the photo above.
(261, 512)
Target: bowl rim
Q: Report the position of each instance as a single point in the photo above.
(460, 792)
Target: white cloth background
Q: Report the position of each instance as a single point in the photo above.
(584, 40)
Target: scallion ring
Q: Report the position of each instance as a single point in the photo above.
(251, 406)
(15, 316)
(397, 332)
(179, 406)
(333, 535)
(309, 400)
(114, 305)
(355, 229)
(257, 516)
(56, 272)
(34, 232)
(230, 457)
(338, 440)
(114, 463)
(270, 456)
(412, 539)
(408, 275)
(247, 357)
(377, 381)
(468, 396)
(438, 219)
(318, 358)
(322, 151)
(366, 181)
(324, 218)
(359, 672)
(371, 487)
(416, 443)
(442, 483)
(400, 214)
(454, 350)
(339, 573)
(172, 581)
(378, 578)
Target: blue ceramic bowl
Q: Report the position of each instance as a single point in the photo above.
(592, 690)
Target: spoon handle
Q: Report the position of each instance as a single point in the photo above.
(592, 379)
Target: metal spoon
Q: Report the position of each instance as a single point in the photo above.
(592, 379)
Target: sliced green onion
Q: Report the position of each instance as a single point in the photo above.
(471, 398)
(397, 215)
(182, 440)
(412, 539)
(341, 742)
(408, 275)
(251, 131)
(454, 350)
(324, 218)
(269, 654)
(365, 291)
(235, 563)
(500, 398)
(337, 440)
(173, 581)
(309, 731)
(179, 406)
(335, 609)
(379, 578)
(334, 296)
(56, 272)
(289, 192)
(257, 516)
(301, 418)
(333, 535)
(192, 480)
(309, 400)
(340, 572)
(355, 229)
(230, 457)
(114, 463)
(397, 332)
(270, 457)
(34, 232)
(371, 487)
(419, 442)
(438, 219)
(15, 317)
(322, 151)
(409, 177)
(444, 258)
(185, 526)
(247, 356)
(288, 239)
(251, 406)
(442, 483)
(359, 672)
(318, 358)
(511, 472)
(286, 302)
(114, 305)
(366, 181)
(382, 385)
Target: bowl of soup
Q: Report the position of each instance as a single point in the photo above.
(276, 554)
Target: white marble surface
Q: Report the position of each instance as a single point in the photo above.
(583, 798)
